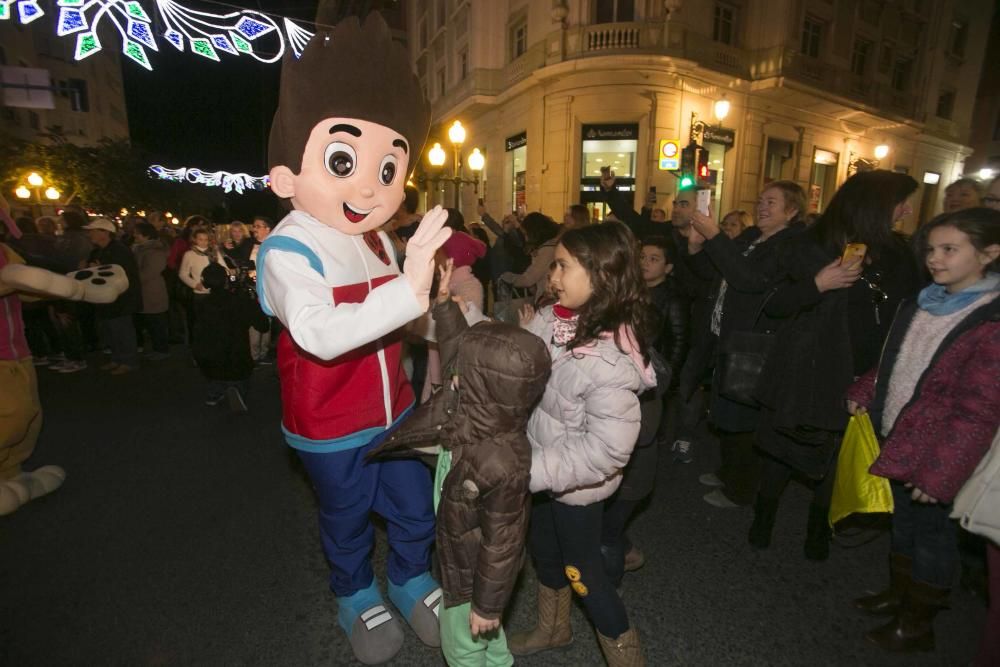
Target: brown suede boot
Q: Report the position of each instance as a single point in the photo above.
(887, 602)
(912, 628)
(552, 629)
(624, 651)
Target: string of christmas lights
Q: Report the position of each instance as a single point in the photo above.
(224, 179)
(206, 34)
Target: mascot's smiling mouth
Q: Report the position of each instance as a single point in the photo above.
(354, 215)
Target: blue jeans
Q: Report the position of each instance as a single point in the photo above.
(349, 490)
(925, 534)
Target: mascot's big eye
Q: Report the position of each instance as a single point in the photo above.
(387, 170)
(340, 159)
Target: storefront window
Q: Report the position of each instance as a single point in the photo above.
(716, 172)
(823, 181)
(612, 146)
(517, 157)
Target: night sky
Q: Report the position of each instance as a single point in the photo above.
(194, 112)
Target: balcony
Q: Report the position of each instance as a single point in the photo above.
(789, 63)
(654, 38)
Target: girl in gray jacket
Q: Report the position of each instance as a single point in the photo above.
(583, 431)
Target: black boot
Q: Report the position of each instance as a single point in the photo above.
(887, 602)
(817, 546)
(912, 628)
(764, 513)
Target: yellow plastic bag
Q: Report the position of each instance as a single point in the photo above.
(856, 490)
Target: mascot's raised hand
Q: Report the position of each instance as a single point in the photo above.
(419, 268)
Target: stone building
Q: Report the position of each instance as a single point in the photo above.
(552, 90)
(43, 86)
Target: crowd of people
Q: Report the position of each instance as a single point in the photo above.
(182, 280)
(906, 331)
(643, 317)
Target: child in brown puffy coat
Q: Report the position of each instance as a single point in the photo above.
(494, 375)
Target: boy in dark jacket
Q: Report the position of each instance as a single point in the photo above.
(221, 341)
(478, 419)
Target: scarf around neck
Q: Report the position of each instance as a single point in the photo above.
(564, 328)
(937, 300)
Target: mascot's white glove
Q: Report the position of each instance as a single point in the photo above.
(419, 268)
(100, 284)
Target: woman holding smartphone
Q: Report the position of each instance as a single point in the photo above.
(846, 276)
(745, 270)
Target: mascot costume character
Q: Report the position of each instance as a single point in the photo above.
(351, 120)
(20, 409)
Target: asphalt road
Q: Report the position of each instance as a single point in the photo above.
(185, 535)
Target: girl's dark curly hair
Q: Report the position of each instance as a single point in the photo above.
(608, 253)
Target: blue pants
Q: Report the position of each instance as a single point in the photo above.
(926, 534)
(349, 490)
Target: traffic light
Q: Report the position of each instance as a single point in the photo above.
(703, 165)
(689, 164)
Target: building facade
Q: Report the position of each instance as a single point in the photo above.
(44, 87)
(552, 91)
(985, 141)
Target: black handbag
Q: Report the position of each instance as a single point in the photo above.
(742, 357)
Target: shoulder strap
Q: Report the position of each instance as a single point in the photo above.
(282, 244)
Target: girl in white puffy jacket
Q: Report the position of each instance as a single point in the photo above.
(583, 431)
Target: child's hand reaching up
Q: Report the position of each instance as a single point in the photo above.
(481, 626)
(526, 314)
(444, 277)
(443, 294)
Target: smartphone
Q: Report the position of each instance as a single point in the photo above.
(853, 253)
(703, 201)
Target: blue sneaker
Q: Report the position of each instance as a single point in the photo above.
(374, 633)
(419, 601)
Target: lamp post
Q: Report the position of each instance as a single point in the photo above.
(35, 183)
(856, 163)
(437, 156)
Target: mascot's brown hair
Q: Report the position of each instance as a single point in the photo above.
(353, 70)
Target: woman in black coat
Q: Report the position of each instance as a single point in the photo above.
(747, 268)
(835, 318)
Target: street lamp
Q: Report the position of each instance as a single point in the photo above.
(856, 163)
(437, 157)
(35, 185)
(721, 109)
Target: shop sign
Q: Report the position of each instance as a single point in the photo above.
(670, 154)
(616, 131)
(719, 135)
(516, 141)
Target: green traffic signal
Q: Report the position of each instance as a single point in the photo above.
(686, 182)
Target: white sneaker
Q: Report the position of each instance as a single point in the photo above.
(710, 479)
(682, 451)
(719, 499)
(72, 367)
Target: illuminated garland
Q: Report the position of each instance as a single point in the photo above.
(205, 33)
(223, 179)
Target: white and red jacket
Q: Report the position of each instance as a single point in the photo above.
(342, 300)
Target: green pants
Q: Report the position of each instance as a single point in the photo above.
(462, 650)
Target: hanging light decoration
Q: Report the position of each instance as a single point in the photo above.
(206, 34)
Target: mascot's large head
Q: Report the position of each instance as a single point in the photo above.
(351, 119)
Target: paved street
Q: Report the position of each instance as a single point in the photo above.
(187, 536)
